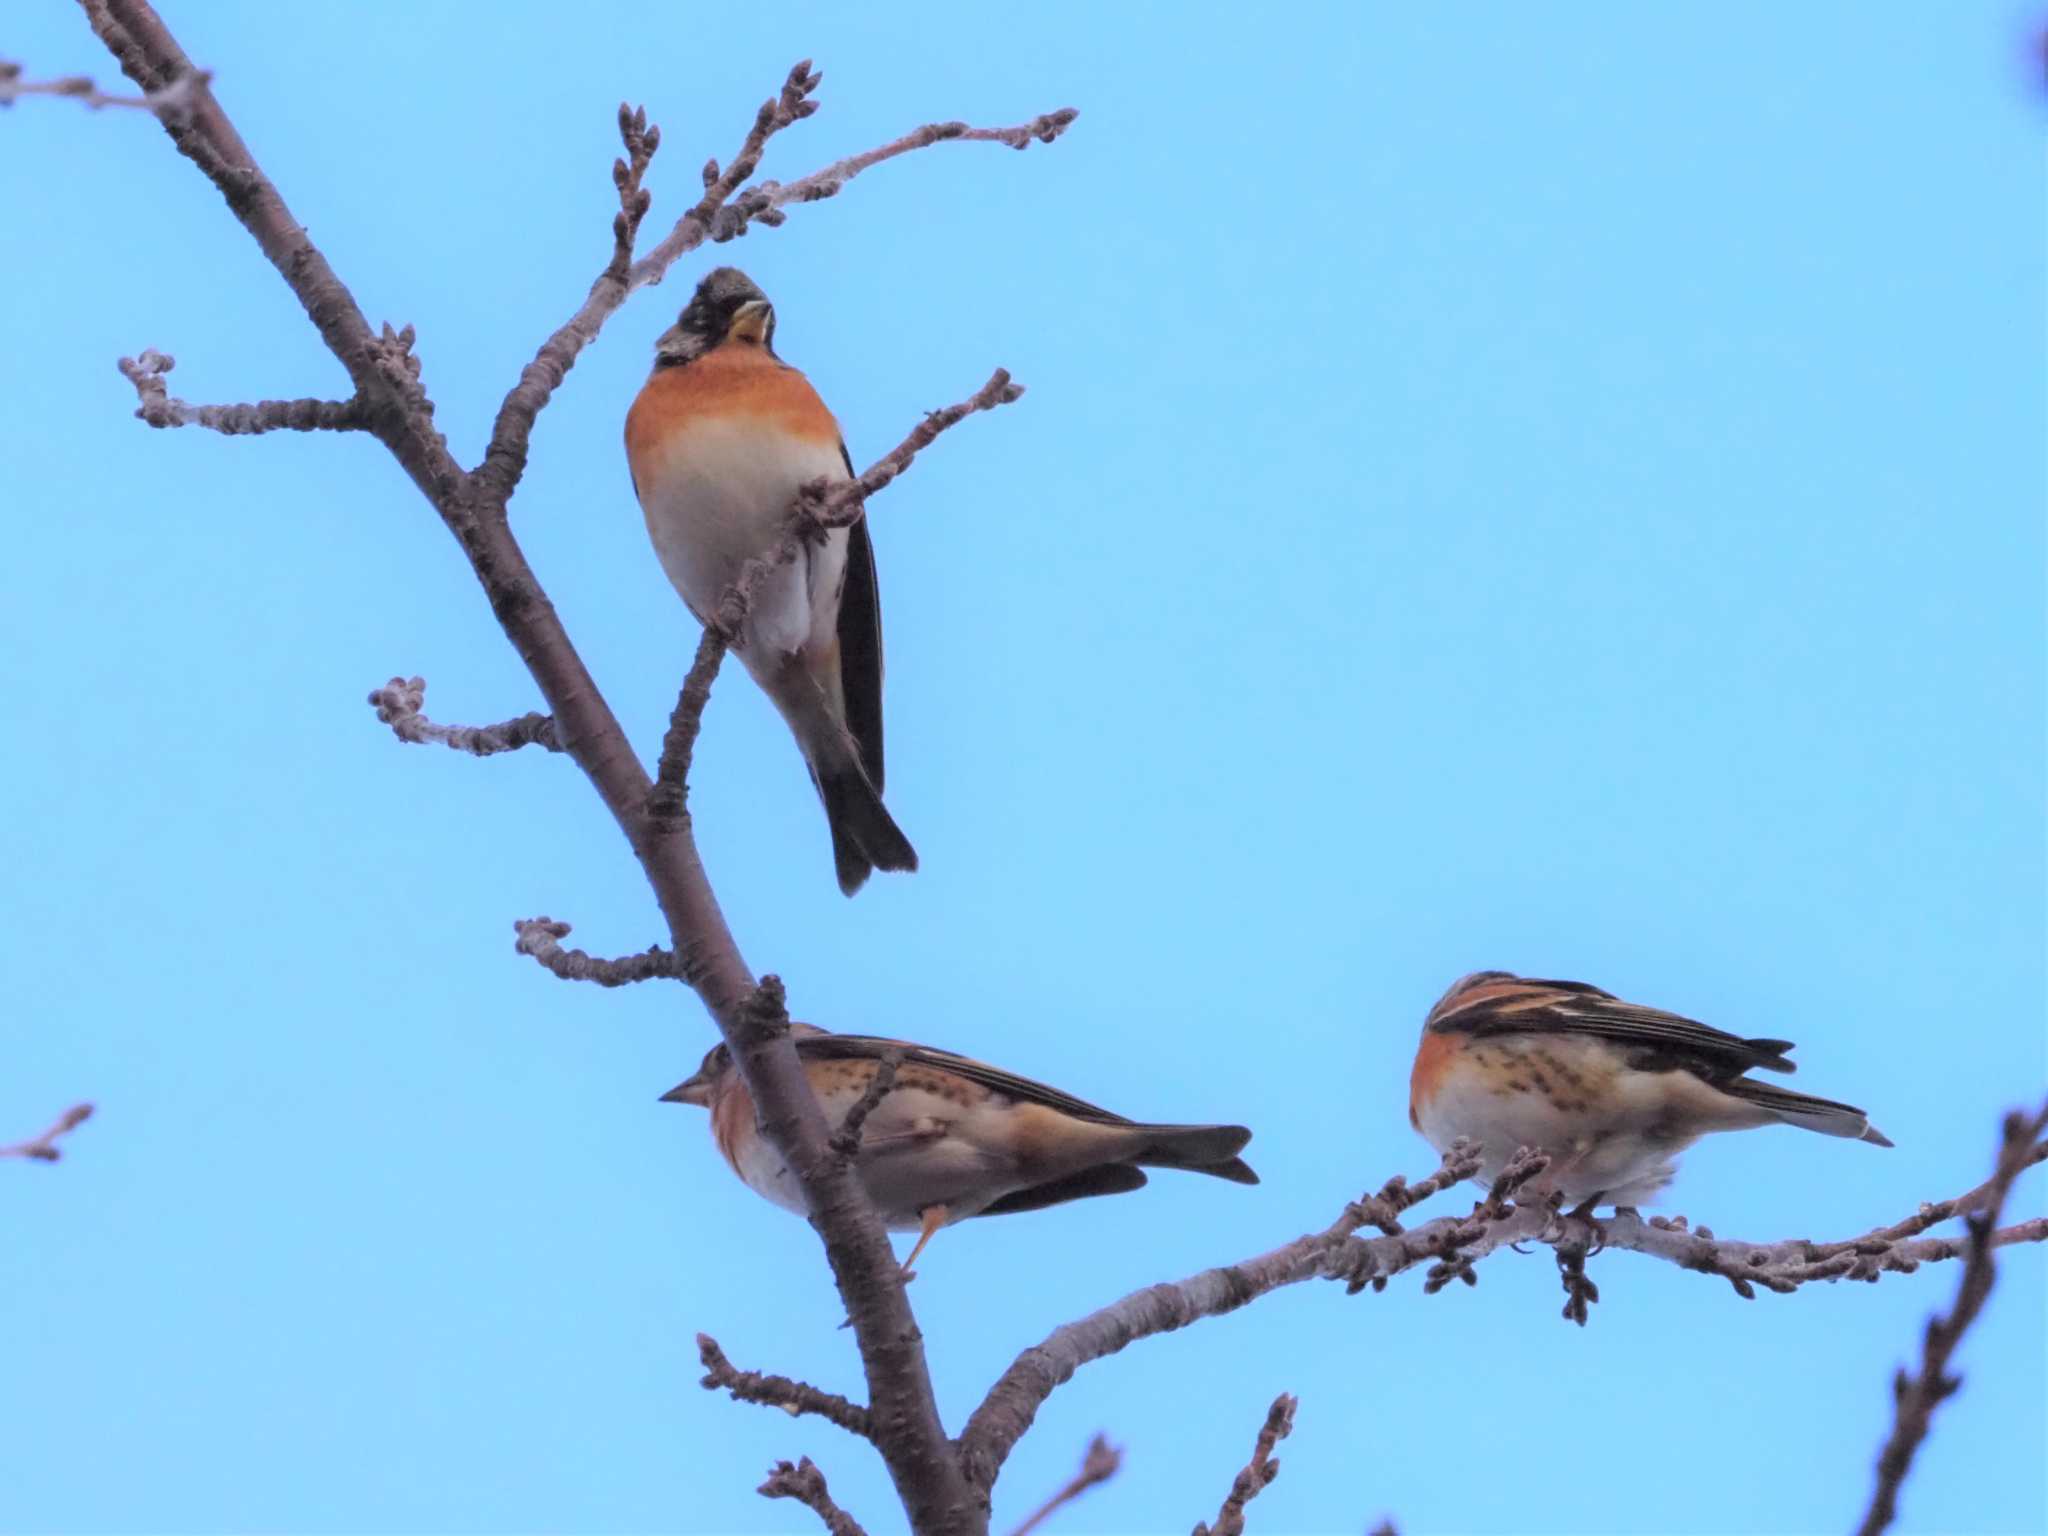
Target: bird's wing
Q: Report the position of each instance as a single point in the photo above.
(860, 644)
(1495, 1003)
(1022, 1089)
(1106, 1179)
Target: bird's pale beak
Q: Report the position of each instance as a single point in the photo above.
(751, 320)
(696, 1090)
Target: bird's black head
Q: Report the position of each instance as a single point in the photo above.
(727, 306)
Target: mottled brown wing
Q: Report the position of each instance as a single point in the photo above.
(860, 645)
(1498, 1002)
(1022, 1089)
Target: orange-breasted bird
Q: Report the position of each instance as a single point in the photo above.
(720, 440)
(1612, 1091)
(954, 1137)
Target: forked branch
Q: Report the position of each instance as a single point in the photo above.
(1451, 1247)
(1916, 1395)
(390, 398)
(1258, 1473)
(802, 1481)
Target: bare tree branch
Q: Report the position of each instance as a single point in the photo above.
(541, 937)
(1099, 1463)
(80, 88)
(792, 1397)
(1916, 1396)
(718, 215)
(641, 140)
(1258, 1473)
(396, 409)
(44, 1148)
(399, 702)
(763, 203)
(147, 372)
(668, 801)
(1451, 1246)
(806, 1484)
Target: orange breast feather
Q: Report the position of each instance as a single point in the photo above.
(732, 1116)
(1433, 1061)
(735, 380)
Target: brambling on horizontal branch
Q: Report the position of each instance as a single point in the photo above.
(1611, 1090)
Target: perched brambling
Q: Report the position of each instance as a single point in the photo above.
(1612, 1091)
(954, 1137)
(719, 441)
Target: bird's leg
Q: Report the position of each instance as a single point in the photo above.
(932, 1217)
(1583, 1211)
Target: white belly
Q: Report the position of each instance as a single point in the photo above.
(717, 497)
(1624, 1152)
(918, 1150)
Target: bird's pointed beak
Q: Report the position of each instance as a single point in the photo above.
(696, 1090)
(751, 320)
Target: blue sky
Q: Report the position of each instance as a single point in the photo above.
(1560, 492)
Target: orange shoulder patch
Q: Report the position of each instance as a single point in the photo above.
(1433, 1061)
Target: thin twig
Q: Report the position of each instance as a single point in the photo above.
(641, 140)
(541, 937)
(399, 702)
(846, 1140)
(44, 1148)
(1916, 1396)
(763, 203)
(806, 1484)
(668, 801)
(1099, 1463)
(823, 504)
(159, 409)
(794, 1398)
(1258, 1473)
(1384, 1209)
(172, 100)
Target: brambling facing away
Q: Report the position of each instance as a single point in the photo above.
(954, 1137)
(719, 441)
(1613, 1091)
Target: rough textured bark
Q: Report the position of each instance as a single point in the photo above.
(390, 402)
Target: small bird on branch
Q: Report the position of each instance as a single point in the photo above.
(1612, 1091)
(953, 1137)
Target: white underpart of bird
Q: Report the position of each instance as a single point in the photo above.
(718, 499)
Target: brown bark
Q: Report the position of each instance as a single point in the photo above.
(390, 402)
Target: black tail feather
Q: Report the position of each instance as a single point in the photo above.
(864, 835)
